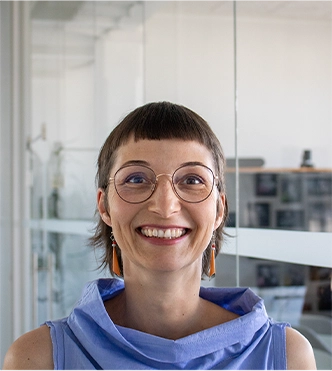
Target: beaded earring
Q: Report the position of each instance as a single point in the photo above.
(115, 260)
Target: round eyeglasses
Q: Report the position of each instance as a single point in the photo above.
(136, 183)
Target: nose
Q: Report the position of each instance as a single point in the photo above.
(163, 200)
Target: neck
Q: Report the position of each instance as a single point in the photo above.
(166, 305)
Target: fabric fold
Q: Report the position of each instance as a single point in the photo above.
(88, 339)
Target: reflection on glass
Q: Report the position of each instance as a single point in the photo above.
(298, 294)
(288, 200)
(60, 273)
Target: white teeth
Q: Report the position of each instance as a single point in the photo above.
(161, 233)
(168, 234)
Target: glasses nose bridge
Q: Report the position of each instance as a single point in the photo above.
(169, 176)
(164, 174)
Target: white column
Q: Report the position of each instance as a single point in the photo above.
(21, 250)
(6, 302)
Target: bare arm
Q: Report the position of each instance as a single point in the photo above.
(31, 351)
(300, 355)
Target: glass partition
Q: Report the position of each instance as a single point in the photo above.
(283, 230)
(86, 72)
(92, 62)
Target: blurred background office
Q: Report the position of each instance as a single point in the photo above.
(258, 71)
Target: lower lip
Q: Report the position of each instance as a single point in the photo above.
(163, 241)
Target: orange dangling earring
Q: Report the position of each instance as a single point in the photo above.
(115, 260)
(212, 272)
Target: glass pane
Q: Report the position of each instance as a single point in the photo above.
(60, 272)
(284, 55)
(86, 72)
(293, 293)
(289, 200)
(86, 68)
(189, 60)
(284, 117)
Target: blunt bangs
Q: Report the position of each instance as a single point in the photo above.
(164, 120)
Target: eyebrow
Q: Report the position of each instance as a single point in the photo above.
(146, 163)
(192, 163)
(136, 162)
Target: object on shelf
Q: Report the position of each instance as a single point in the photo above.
(306, 159)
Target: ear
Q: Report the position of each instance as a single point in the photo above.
(102, 208)
(220, 211)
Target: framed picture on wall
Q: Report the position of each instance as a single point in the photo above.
(291, 189)
(290, 219)
(268, 275)
(266, 184)
(320, 186)
(294, 275)
(258, 214)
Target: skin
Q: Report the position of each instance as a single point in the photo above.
(162, 277)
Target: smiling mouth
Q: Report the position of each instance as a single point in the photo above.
(170, 233)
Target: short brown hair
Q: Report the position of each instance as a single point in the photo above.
(157, 121)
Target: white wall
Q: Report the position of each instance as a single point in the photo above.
(6, 301)
(190, 61)
(285, 94)
(284, 81)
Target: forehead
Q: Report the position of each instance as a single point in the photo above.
(163, 154)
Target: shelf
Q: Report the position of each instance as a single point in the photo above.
(79, 227)
(306, 170)
(308, 248)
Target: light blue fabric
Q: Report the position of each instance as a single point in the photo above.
(88, 339)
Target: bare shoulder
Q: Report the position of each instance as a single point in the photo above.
(31, 351)
(300, 355)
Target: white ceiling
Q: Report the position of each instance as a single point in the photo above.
(315, 10)
(115, 10)
(70, 27)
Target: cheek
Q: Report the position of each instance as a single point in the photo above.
(122, 213)
(205, 216)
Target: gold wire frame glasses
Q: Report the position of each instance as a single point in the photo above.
(191, 183)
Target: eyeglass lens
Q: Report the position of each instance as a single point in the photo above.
(136, 184)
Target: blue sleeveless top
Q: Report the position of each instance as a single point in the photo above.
(88, 339)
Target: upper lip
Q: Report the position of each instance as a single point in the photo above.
(164, 227)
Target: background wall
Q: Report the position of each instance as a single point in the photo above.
(277, 59)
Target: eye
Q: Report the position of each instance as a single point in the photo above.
(192, 180)
(137, 179)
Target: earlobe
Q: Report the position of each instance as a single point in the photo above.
(102, 207)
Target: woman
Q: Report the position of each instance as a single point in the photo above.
(162, 206)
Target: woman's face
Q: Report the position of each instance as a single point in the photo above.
(183, 229)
